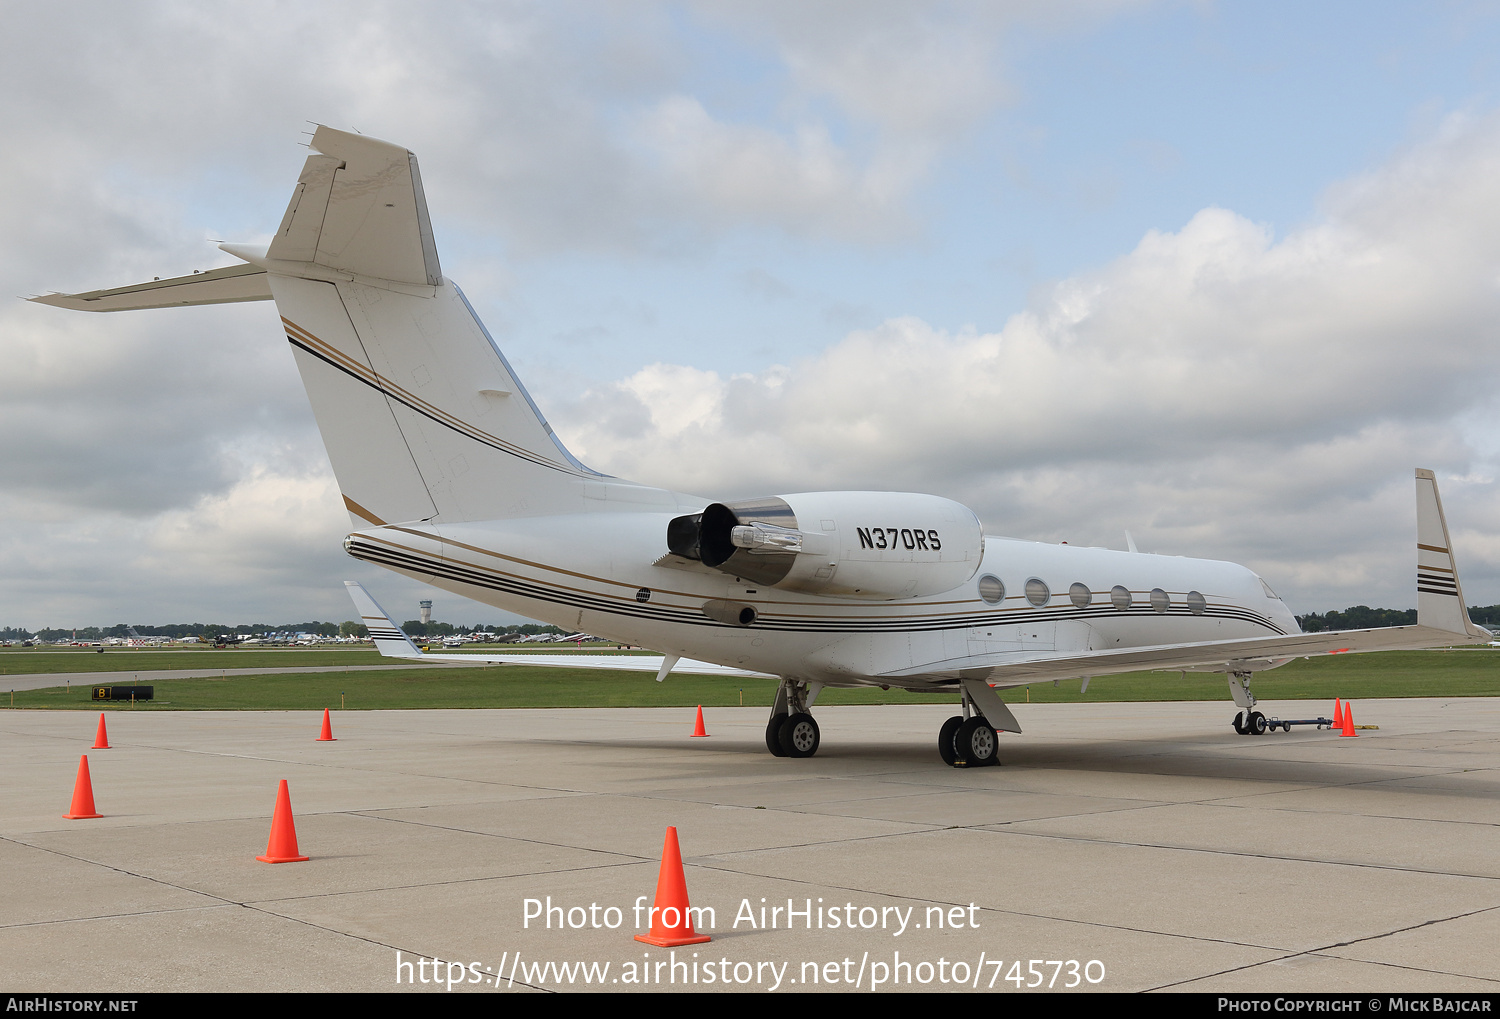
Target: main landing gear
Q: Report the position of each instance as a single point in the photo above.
(968, 740)
(792, 730)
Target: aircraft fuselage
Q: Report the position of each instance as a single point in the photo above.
(595, 572)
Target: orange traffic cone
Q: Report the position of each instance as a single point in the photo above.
(1338, 714)
(1348, 721)
(698, 729)
(101, 738)
(327, 735)
(671, 926)
(281, 847)
(83, 794)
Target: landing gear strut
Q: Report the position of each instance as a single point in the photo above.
(1248, 722)
(792, 731)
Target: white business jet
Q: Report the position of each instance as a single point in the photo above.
(452, 476)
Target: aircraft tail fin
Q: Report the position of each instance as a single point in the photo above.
(1440, 598)
(421, 414)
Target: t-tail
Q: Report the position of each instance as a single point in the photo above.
(422, 416)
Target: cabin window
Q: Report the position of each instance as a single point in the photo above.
(991, 590)
(1037, 593)
(1160, 602)
(1081, 595)
(1197, 603)
(1120, 596)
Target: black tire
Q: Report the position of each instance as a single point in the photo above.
(773, 735)
(977, 743)
(800, 736)
(1256, 724)
(1239, 724)
(948, 740)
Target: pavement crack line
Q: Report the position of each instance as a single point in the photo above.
(1347, 944)
(1241, 854)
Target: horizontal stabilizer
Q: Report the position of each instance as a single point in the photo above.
(392, 642)
(230, 285)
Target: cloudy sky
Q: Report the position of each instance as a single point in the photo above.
(1220, 274)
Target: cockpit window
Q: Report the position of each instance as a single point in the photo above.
(1269, 593)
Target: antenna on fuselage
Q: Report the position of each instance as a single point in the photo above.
(1130, 543)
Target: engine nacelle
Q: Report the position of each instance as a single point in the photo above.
(879, 545)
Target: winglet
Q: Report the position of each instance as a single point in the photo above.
(1440, 599)
(390, 641)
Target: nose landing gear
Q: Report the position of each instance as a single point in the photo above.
(1253, 724)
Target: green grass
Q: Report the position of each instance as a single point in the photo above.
(1460, 672)
(18, 661)
(1456, 673)
(31, 661)
(511, 686)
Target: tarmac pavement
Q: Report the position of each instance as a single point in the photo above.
(1120, 846)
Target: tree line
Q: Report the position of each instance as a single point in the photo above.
(1362, 617)
(209, 631)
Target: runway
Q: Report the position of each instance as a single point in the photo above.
(1145, 843)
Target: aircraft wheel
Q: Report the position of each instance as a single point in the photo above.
(799, 736)
(773, 735)
(976, 742)
(1255, 725)
(1239, 724)
(947, 740)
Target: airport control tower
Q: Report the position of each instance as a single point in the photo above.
(426, 606)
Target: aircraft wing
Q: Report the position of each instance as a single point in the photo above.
(392, 642)
(1250, 655)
